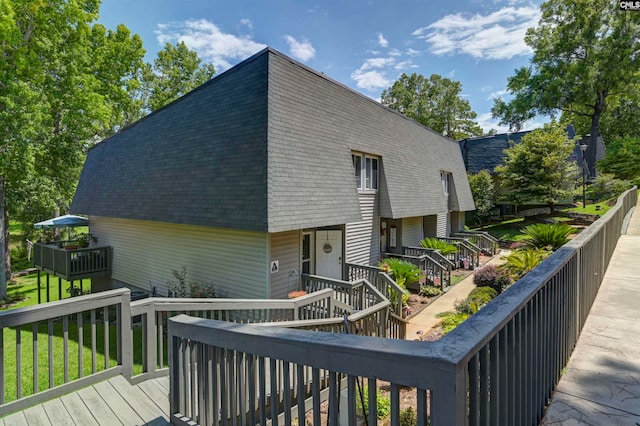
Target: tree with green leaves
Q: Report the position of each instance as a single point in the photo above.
(65, 83)
(538, 169)
(484, 194)
(434, 102)
(622, 159)
(175, 71)
(584, 52)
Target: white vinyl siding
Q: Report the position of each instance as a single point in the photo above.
(363, 238)
(412, 231)
(443, 225)
(285, 248)
(234, 261)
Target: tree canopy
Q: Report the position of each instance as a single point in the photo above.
(622, 159)
(537, 169)
(484, 194)
(434, 102)
(584, 51)
(175, 71)
(66, 82)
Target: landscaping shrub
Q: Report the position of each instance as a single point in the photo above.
(408, 417)
(444, 247)
(430, 291)
(404, 273)
(522, 261)
(383, 404)
(450, 320)
(490, 276)
(547, 236)
(181, 288)
(482, 295)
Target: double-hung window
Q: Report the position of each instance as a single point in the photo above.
(445, 178)
(365, 168)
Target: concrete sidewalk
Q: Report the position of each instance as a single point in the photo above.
(426, 319)
(601, 385)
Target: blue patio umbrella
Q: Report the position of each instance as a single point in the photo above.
(68, 220)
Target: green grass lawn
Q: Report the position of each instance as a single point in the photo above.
(24, 290)
(598, 208)
(506, 229)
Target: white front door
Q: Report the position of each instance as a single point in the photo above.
(329, 254)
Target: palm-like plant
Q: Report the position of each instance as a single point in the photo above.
(436, 244)
(522, 261)
(549, 236)
(404, 273)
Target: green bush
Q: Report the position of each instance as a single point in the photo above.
(436, 244)
(522, 261)
(182, 288)
(450, 320)
(383, 404)
(490, 276)
(408, 417)
(404, 273)
(482, 295)
(547, 236)
(430, 291)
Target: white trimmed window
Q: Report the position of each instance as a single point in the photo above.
(365, 168)
(445, 178)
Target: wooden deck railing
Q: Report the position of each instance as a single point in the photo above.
(381, 280)
(466, 251)
(435, 274)
(72, 264)
(485, 241)
(498, 367)
(77, 341)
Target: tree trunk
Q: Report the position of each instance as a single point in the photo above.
(592, 148)
(3, 242)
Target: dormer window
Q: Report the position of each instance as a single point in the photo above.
(365, 168)
(445, 178)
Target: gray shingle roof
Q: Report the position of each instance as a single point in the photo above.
(267, 146)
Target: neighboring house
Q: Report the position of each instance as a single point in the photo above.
(269, 170)
(487, 152)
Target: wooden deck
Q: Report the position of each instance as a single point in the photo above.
(112, 402)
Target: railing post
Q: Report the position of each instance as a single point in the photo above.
(449, 399)
(151, 339)
(126, 339)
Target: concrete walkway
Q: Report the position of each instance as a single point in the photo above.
(426, 319)
(601, 384)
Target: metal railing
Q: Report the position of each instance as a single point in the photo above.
(498, 367)
(381, 280)
(466, 251)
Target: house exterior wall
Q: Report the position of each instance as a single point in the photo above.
(412, 231)
(363, 238)
(236, 262)
(285, 248)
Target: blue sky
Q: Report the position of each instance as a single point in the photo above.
(365, 45)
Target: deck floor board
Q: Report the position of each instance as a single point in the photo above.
(111, 402)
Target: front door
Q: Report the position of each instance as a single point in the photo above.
(329, 254)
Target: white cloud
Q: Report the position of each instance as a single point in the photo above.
(405, 65)
(497, 94)
(412, 52)
(451, 74)
(383, 42)
(370, 80)
(487, 123)
(377, 63)
(247, 23)
(301, 50)
(498, 35)
(212, 44)
(395, 52)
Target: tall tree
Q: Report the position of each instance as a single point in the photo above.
(484, 194)
(537, 169)
(434, 102)
(584, 51)
(175, 71)
(63, 85)
(622, 159)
